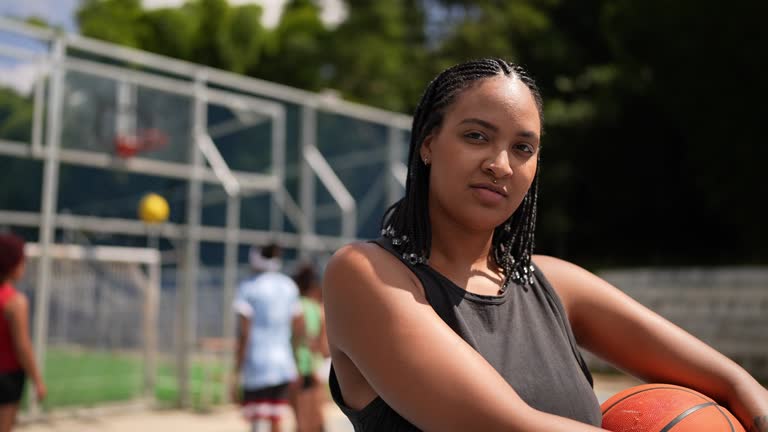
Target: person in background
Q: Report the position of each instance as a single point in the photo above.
(17, 359)
(310, 351)
(269, 313)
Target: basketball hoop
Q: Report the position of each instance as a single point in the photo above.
(127, 146)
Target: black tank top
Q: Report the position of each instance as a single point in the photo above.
(523, 333)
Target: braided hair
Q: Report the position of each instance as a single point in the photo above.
(407, 221)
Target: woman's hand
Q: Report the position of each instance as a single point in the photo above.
(40, 390)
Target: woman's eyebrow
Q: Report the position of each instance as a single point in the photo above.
(494, 128)
(483, 123)
(528, 134)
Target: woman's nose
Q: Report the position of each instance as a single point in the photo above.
(498, 165)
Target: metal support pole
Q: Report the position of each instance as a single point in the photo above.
(230, 277)
(336, 188)
(66, 294)
(50, 199)
(187, 301)
(126, 118)
(38, 115)
(307, 187)
(151, 306)
(153, 238)
(278, 170)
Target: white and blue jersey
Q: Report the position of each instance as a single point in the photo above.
(271, 301)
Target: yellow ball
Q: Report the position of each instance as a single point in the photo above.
(153, 208)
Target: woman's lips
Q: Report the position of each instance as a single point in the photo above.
(487, 195)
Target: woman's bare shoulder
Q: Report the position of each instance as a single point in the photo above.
(19, 300)
(548, 261)
(571, 282)
(365, 286)
(16, 305)
(365, 265)
(360, 252)
(561, 272)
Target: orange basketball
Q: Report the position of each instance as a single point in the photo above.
(665, 408)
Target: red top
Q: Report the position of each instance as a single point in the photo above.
(9, 361)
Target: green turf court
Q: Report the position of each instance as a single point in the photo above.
(79, 378)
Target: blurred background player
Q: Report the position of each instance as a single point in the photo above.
(269, 312)
(17, 360)
(311, 349)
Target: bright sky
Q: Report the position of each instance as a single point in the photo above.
(60, 12)
(56, 12)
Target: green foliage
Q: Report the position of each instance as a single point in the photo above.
(210, 43)
(111, 20)
(168, 32)
(210, 32)
(15, 116)
(247, 37)
(296, 53)
(378, 54)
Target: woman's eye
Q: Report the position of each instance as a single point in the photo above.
(527, 148)
(475, 136)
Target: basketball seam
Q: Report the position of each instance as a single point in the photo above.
(733, 429)
(649, 389)
(685, 414)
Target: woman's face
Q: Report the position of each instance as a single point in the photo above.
(490, 132)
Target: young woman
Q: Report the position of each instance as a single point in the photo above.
(448, 323)
(17, 360)
(310, 349)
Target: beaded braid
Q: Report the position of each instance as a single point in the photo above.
(406, 222)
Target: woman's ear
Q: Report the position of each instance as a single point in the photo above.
(426, 149)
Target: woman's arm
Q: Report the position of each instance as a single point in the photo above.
(298, 331)
(241, 342)
(321, 344)
(378, 317)
(17, 312)
(612, 325)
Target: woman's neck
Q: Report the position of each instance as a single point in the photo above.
(454, 246)
(462, 256)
